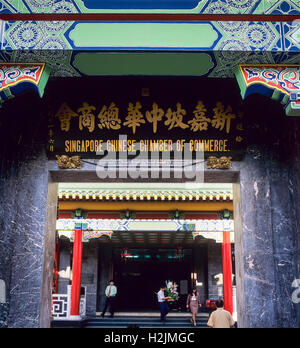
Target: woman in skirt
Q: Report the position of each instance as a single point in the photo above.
(193, 303)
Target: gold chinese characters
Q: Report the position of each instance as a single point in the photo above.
(109, 118)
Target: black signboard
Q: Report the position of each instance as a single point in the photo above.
(150, 115)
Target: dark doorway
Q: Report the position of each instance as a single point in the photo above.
(140, 274)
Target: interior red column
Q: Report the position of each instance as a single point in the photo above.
(227, 272)
(76, 280)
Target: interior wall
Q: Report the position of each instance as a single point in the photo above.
(201, 256)
(104, 273)
(215, 271)
(89, 276)
(64, 267)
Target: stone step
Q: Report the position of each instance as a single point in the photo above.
(148, 327)
(132, 319)
(155, 314)
(143, 322)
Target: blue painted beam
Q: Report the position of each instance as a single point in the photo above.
(289, 7)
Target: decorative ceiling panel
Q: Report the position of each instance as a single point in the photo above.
(208, 49)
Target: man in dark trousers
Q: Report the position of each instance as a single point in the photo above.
(164, 307)
(110, 293)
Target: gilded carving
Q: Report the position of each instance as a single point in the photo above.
(66, 162)
(218, 163)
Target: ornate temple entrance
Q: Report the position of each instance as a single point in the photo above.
(76, 73)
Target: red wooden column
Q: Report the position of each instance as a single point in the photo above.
(77, 266)
(227, 272)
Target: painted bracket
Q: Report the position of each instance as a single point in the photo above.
(280, 82)
(16, 78)
(87, 235)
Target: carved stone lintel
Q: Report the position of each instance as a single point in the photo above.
(66, 162)
(218, 163)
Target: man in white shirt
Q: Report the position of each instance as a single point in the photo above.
(110, 293)
(164, 307)
(221, 319)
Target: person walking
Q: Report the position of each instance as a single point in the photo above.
(162, 301)
(193, 303)
(110, 302)
(220, 318)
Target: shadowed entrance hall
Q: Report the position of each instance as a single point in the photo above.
(143, 273)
